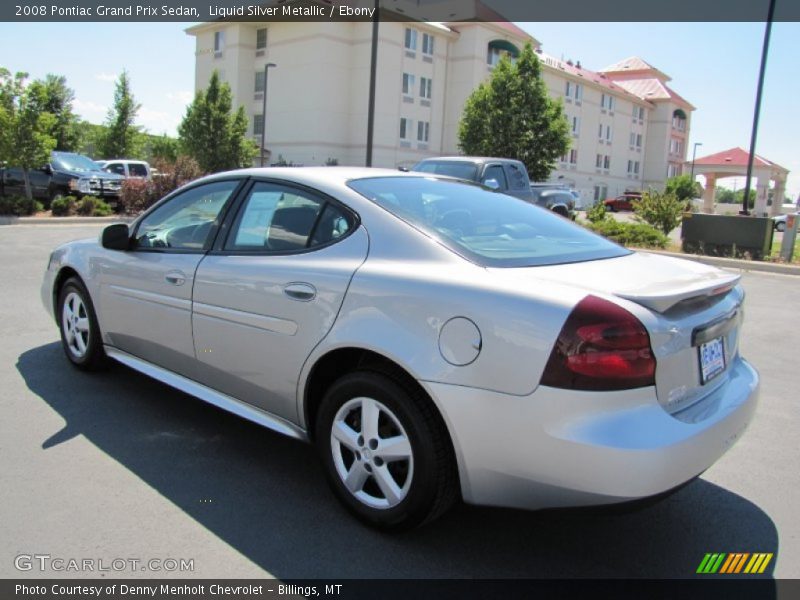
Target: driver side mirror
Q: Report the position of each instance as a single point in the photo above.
(47, 170)
(116, 237)
(492, 184)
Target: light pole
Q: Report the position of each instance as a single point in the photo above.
(694, 155)
(264, 111)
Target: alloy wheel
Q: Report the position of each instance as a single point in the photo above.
(75, 323)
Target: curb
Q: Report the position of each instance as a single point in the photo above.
(732, 263)
(6, 220)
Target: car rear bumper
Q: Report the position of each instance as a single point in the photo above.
(558, 448)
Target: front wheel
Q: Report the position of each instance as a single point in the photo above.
(80, 333)
(386, 451)
(780, 227)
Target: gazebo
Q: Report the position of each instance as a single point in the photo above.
(733, 163)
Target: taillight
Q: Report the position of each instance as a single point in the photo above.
(602, 346)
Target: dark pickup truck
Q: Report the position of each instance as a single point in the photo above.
(67, 174)
(504, 175)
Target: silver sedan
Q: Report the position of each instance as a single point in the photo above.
(435, 340)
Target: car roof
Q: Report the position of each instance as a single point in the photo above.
(319, 175)
(469, 159)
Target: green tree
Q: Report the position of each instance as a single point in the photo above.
(512, 116)
(683, 187)
(164, 148)
(57, 100)
(212, 133)
(662, 210)
(123, 138)
(25, 139)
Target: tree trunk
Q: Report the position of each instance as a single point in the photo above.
(27, 179)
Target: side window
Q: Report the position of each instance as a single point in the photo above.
(495, 172)
(516, 178)
(137, 170)
(277, 218)
(117, 168)
(185, 222)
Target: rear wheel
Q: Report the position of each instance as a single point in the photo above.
(80, 334)
(386, 451)
(780, 226)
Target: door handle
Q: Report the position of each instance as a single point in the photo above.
(175, 278)
(300, 291)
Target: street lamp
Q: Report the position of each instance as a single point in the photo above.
(264, 111)
(694, 154)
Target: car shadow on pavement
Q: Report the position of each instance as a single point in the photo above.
(265, 495)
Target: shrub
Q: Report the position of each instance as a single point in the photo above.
(19, 206)
(639, 235)
(89, 206)
(597, 212)
(661, 210)
(138, 195)
(65, 206)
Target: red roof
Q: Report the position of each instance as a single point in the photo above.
(586, 74)
(736, 157)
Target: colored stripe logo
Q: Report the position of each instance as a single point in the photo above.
(734, 563)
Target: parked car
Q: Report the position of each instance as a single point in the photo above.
(67, 174)
(779, 222)
(502, 175)
(130, 169)
(433, 339)
(624, 201)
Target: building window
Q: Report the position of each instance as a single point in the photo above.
(405, 128)
(576, 126)
(425, 84)
(633, 139)
(261, 38)
(606, 162)
(607, 101)
(423, 131)
(219, 42)
(261, 81)
(573, 156)
(630, 167)
(408, 84)
(258, 124)
(573, 90)
(638, 140)
(599, 161)
(427, 44)
(638, 112)
(672, 170)
(600, 192)
(411, 39)
(636, 167)
(609, 133)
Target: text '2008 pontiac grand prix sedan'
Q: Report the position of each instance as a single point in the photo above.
(435, 340)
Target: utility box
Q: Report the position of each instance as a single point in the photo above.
(726, 235)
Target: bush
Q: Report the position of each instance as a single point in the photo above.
(65, 206)
(138, 195)
(597, 212)
(661, 210)
(19, 206)
(89, 206)
(639, 235)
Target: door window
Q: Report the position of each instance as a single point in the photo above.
(277, 218)
(495, 172)
(186, 221)
(137, 170)
(117, 168)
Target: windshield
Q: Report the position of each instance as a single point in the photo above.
(74, 162)
(487, 228)
(451, 168)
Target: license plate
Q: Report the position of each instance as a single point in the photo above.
(712, 359)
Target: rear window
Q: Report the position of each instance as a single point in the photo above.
(487, 228)
(451, 168)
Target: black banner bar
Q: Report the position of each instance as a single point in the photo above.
(425, 10)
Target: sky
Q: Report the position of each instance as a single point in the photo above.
(713, 65)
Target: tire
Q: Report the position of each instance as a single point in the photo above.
(419, 484)
(77, 322)
(780, 227)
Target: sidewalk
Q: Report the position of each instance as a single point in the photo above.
(731, 263)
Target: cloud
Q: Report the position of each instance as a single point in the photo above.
(157, 121)
(109, 77)
(89, 109)
(181, 96)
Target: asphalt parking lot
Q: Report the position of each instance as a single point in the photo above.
(115, 465)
